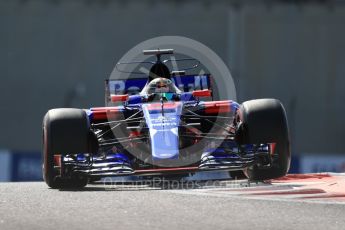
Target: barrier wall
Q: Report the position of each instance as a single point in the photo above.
(20, 166)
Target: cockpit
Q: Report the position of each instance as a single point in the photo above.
(160, 85)
(160, 88)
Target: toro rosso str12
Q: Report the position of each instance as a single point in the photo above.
(166, 124)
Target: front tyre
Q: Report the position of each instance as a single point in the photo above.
(65, 131)
(263, 121)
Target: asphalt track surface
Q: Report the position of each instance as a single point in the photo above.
(33, 205)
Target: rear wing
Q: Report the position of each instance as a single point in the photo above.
(133, 86)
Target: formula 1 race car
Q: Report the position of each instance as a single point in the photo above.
(166, 124)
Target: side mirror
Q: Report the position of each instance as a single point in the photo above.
(119, 98)
(202, 93)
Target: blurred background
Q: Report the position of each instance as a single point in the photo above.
(56, 53)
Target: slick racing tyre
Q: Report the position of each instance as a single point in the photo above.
(263, 121)
(65, 131)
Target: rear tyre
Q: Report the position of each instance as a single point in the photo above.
(65, 131)
(264, 121)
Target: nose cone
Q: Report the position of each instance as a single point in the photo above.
(163, 122)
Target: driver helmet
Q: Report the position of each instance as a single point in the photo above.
(161, 85)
